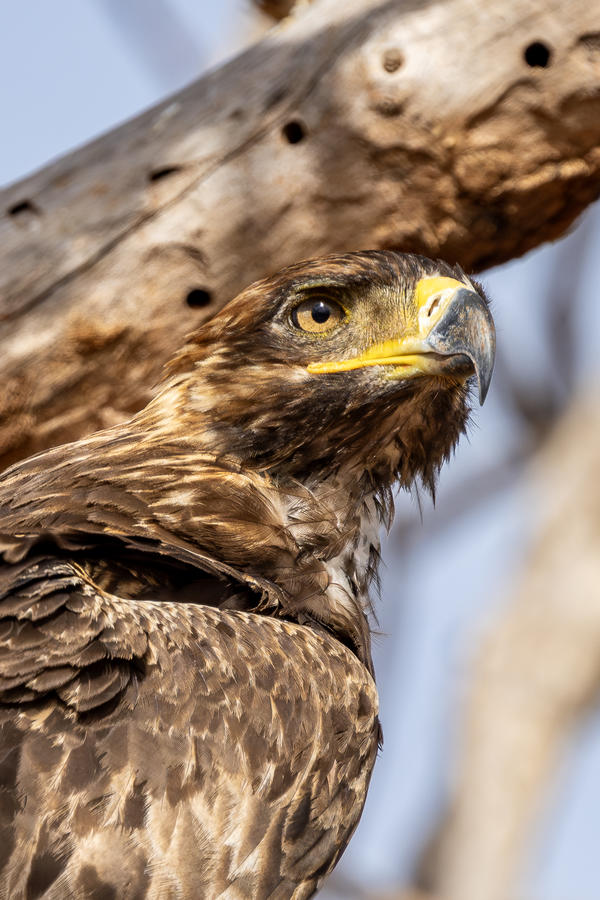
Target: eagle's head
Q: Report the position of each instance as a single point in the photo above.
(266, 459)
(361, 362)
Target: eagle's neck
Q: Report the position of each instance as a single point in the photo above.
(336, 522)
(303, 550)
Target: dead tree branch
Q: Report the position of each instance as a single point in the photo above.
(437, 127)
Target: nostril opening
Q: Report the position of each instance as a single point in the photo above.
(433, 306)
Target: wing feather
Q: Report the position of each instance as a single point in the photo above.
(199, 748)
(161, 746)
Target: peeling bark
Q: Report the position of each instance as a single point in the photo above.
(431, 126)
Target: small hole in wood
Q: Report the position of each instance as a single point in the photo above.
(392, 60)
(537, 55)
(293, 132)
(197, 298)
(164, 172)
(23, 207)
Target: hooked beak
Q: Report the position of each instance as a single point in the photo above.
(466, 328)
(455, 336)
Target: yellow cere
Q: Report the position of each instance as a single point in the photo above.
(427, 288)
(431, 298)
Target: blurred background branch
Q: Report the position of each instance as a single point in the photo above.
(536, 672)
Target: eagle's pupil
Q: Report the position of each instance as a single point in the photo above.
(320, 312)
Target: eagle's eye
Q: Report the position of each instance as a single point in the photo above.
(317, 315)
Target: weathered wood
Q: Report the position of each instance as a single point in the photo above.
(430, 126)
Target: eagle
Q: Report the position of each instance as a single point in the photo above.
(187, 700)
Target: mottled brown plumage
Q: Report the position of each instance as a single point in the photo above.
(187, 706)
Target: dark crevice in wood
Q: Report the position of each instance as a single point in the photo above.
(590, 41)
(164, 172)
(23, 207)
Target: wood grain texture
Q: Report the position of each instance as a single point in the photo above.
(418, 126)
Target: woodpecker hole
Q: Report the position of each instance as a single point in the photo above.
(197, 298)
(293, 132)
(537, 55)
(392, 60)
(23, 208)
(163, 172)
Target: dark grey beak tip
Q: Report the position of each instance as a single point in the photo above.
(483, 351)
(484, 387)
(482, 357)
